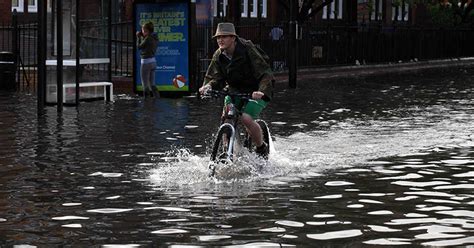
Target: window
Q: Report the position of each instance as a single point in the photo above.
(244, 7)
(19, 5)
(33, 6)
(333, 11)
(262, 4)
(376, 10)
(401, 12)
(220, 7)
(252, 5)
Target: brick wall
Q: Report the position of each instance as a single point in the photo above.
(90, 9)
(128, 10)
(5, 11)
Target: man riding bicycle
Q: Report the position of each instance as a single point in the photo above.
(238, 66)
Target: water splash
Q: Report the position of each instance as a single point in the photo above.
(347, 144)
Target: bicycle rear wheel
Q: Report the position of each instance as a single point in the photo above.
(265, 133)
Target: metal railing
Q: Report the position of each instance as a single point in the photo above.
(122, 49)
(319, 46)
(379, 44)
(20, 39)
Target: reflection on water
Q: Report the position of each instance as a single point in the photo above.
(356, 163)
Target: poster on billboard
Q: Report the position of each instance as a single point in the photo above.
(171, 24)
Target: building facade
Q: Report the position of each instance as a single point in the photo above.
(269, 12)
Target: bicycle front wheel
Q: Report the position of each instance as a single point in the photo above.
(223, 147)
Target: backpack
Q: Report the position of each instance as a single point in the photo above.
(249, 44)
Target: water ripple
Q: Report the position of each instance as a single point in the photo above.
(335, 235)
(388, 241)
(458, 213)
(383, 229)
(70, 217)
(289, 223)
(169, 231)
(109, 210)
(452, 242)
(208, 238)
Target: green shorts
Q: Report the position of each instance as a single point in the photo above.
(251, 107)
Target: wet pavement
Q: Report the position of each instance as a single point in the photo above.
(357, 162)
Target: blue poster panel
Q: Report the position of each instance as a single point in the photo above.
(171, 23)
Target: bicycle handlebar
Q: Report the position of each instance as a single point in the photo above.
(220, 93)
(223, 93)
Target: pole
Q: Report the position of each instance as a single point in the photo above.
(15, 45)
(193, 84)
(59, 51)
(78, 50)
(41, 86)
(292, 45)
(109, 43)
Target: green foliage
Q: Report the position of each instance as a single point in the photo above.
(370, 6)
(444, 16)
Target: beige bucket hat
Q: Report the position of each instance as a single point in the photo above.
(225, 28)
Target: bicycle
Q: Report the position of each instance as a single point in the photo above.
(229, 133)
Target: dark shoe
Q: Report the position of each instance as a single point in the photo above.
(263, 150)
(147, 94)
(155, 92)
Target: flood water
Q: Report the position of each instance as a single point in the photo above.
(385, 161)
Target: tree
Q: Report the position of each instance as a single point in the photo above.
(307, 8)
(446, 12)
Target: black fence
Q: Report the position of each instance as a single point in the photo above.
(316, 46)
(21, 40)
(122, 49)
(335, 45)
(348, 45)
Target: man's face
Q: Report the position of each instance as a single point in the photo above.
(145, 31)
(225, 41)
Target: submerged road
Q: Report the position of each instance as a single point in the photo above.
(357, 162)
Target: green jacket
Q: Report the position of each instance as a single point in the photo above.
(246, 72)
(148, 46)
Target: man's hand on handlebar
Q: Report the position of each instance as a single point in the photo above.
(204, 89)
(256, 95)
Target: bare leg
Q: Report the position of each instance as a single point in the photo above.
(253, 128)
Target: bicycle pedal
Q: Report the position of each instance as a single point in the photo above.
(222, 157)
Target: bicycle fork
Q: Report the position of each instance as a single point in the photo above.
(230, 148)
